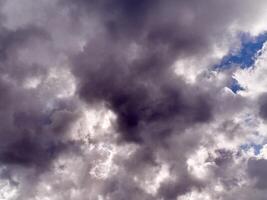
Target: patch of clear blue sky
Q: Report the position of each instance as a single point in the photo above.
(234, 86)
(244, 58)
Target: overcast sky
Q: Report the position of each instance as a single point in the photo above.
(133, 100)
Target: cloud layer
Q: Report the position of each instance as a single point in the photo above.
(121, 99)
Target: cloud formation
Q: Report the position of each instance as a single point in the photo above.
(120, 99)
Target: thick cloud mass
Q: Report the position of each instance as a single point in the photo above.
(119, 99)
(142, 92)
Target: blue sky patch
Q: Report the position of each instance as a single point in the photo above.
(245, 57)
(235, 87)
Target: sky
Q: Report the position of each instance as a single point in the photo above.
(133, 99)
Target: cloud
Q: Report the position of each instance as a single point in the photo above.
(119, 99)
(257, 169)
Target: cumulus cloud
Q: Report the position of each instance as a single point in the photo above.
(120, 99)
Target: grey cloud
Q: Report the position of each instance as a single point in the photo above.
(28, 135)
(143, 90)
(122, 55)
(262, 102)
(257, 169)
(30, 131)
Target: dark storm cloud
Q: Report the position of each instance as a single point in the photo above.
(12, 39)
(151, 23)
(143, 90)
(258, 169)
(28, 135)
(170, 189)
(223, 158)
(28, 132)
(11, 42)
(141, 101)
(263, 106)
